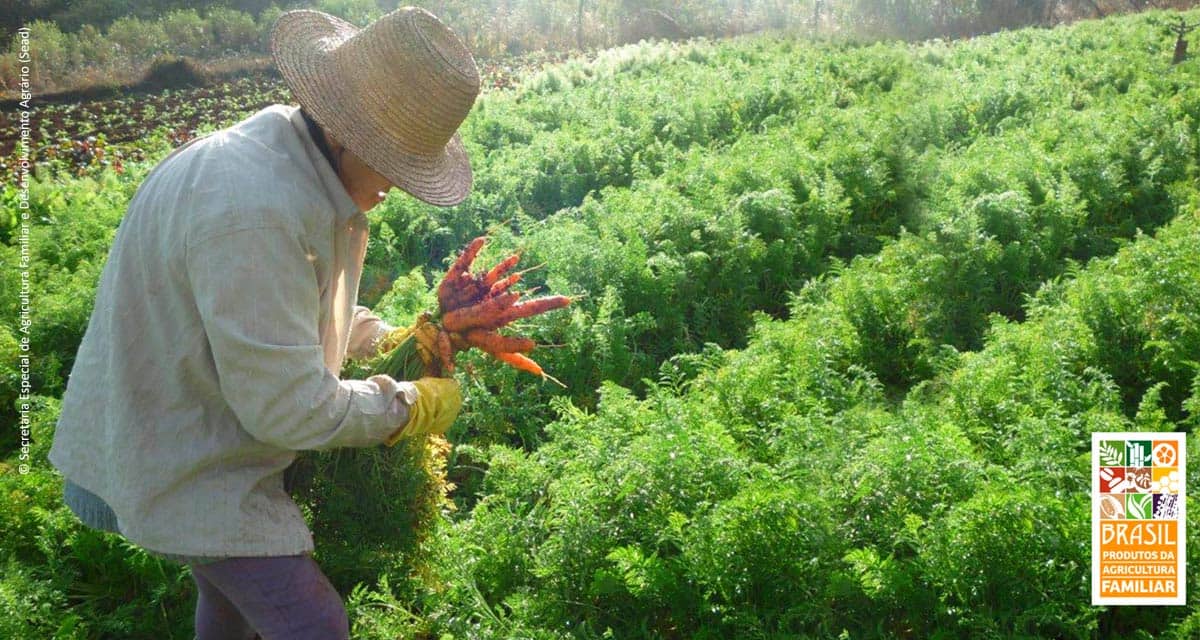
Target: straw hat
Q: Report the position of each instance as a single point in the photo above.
(393, 92)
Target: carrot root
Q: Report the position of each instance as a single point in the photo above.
(531, 308)
(500, 269)
(445, 352)
(521, 362)
(493, 343)
(479, 315)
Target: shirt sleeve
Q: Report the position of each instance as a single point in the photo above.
(366, 330)
(257, 294)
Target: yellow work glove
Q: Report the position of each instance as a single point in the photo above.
(438, 403)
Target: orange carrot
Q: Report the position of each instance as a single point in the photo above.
(500, 269)
(522, 362)
(445, 352)
(503, 285)
(482, 314)
(526, 309)
(463, 264)
(445, 289)
(494, 343)
(468, 291)
(474, 305)
(460, 268)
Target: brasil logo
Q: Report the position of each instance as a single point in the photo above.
(1138, 518)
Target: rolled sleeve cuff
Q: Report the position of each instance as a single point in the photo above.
(381, 330)
(366, 332)
(401, 396)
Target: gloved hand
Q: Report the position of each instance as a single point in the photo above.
(438, 403)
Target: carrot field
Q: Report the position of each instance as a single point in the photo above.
(843, 317)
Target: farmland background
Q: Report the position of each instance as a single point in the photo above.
(89, 43)
(851, 309)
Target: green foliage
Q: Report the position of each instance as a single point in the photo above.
(187, 32)
(144, 39)
(885, 493)
(997, 556)
(358, 12)
(63, 580)
(962, 511)
(760, 558)
(372, 509)
(231, 29)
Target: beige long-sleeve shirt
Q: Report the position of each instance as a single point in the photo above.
(222, 318)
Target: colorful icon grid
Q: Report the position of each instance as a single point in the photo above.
(1139, 480)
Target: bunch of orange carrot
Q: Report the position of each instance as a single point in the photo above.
(472, 308)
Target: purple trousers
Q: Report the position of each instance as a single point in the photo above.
(279, 598)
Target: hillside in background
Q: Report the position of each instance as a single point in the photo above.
(849, 314)
(91, 43)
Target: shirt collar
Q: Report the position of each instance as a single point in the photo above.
(344, 207)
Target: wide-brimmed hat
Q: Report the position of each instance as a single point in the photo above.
(394, 93)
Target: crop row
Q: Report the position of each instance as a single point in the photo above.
(979, 183)
(783, 491)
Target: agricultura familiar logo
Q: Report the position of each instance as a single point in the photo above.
(1138, 519)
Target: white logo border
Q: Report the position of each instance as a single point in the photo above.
(1178, 437)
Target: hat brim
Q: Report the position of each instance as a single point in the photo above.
(301, 45)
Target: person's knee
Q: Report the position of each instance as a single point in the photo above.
(330, 616)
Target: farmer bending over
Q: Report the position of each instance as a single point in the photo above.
(228, 304)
